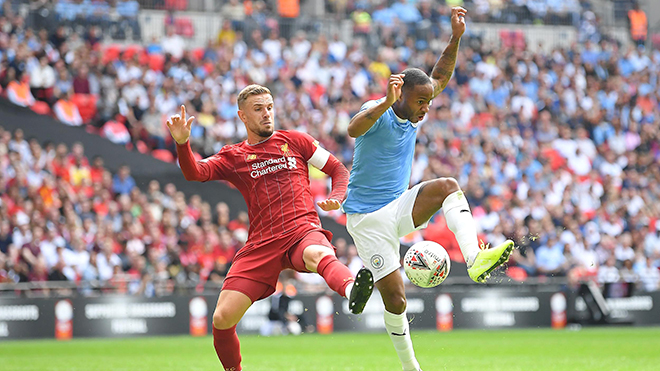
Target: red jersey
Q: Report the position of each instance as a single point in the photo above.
(273, 177)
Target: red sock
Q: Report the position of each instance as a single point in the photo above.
(228, 348)
(335, 274)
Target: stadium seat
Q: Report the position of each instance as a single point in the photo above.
(184, 27)
(116, 132)
(163, 155)
(143, 59)
(655, 40)
(209, 67)
(556, 160)
(41, 108)
(198, 54)
(513, 39)
(481, 120)
(141, 147)
(176, 4)
(131, 51)
(505, 38)
(93, 130)
(86, 104)
(156, 62)
(111, 53)
(519, 40)
(516, 274)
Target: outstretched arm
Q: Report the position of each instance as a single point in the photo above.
(445, 65)
(339, 175)
(180, 131)
(329, 164)
(192, 169)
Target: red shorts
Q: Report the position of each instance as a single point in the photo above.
(256, 268)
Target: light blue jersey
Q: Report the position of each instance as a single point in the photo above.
(382, 162)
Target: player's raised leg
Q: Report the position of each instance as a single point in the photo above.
(230, 308)
(393, 294)
(445, 193)
(321, 259)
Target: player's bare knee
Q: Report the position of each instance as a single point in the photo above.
(221, 320)
(444, 187)
(396, 306)
(313, 256)
(394, 302)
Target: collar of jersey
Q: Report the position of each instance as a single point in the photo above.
(403, 121)
(265, 140)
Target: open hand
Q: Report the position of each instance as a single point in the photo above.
(329, 205)
(180, 127)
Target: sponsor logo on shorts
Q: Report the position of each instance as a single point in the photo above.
(377, 261)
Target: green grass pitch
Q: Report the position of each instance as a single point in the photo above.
(589, 349)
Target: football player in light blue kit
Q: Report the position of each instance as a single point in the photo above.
(379, 206)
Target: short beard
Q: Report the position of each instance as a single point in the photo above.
(265, 133)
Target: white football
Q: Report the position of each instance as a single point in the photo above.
(426, 264)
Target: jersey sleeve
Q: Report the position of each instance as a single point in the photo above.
(323, 160)
(219, 165)
(308, 147)
(378, 122)
(211, 168)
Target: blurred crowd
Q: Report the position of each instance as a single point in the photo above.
(67, 218)
(558, 148)
(64, 217)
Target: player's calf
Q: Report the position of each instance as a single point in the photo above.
(336, 275)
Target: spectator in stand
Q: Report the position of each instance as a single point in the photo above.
(42, 81)
(609, 273)
(123, 183)
(18, 91)
(227, 35)
(638, 24)
(550, 258)
(81, 81)
(173, 44)
(66, 111)
(650, 276)
(5, 237)
(235, 12)
(128, 10)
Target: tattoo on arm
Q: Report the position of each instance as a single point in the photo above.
(444, 68)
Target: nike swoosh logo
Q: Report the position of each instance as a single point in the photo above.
(465, 211)
(395, 334)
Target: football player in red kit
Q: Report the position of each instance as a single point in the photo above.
(270, 170)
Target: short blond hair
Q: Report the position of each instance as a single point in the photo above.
(251, 90)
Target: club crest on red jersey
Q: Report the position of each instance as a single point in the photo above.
(285, 149)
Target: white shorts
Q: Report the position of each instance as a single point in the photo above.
(376, 234)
